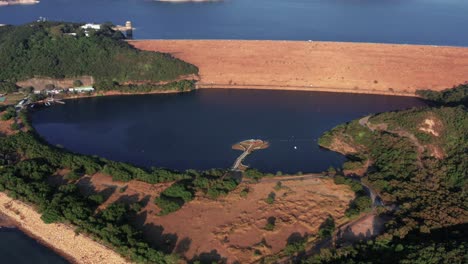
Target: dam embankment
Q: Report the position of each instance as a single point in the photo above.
(389, 69)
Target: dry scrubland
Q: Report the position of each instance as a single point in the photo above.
(233, 225)
(319, 66)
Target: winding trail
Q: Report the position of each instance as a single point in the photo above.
(402, 133)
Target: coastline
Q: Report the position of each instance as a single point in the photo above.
(59, 237)
(6, 222)
(303, 89)
(344, 67)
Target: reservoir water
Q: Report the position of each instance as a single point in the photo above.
(17, 248)
(196, 130)
(435, 22)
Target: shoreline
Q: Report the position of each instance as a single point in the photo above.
(41, 241)
(117, 93)
(303, 89)
(302, 41)
(59, 237)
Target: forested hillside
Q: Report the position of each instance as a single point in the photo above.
(418, 164)
(453, 96)
(60, 50)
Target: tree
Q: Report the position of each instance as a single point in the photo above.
(27, 90)
(77, 83)
(8, 87)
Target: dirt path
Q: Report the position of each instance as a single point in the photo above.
(319, 66)
(402, 133)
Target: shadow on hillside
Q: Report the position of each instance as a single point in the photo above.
(87, 188)
(209, 257)
(352, 234)
(156, 237)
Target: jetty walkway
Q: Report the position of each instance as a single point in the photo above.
(247, 146)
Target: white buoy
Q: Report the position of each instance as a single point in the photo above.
(295, 147)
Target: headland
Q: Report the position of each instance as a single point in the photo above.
(18, 2)
(388, 69)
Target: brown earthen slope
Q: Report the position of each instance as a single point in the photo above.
(319, 66)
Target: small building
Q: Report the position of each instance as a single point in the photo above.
(91, 26)
(83, 89)
(55, 91)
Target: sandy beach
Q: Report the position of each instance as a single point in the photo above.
(388, 69)
(60, 237)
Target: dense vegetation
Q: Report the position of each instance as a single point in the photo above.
(361, 202)
(61, 50)
(212, 183)
(419, 165)
(25, 179)
(455, 96)
(181, 86)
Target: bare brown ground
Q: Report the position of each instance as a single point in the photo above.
(233, 226)
(40, 83)
(341, 145)
(366, 227)
(5, 126)
(319, 66)
(62, 238)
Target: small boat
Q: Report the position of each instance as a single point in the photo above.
(295, 147)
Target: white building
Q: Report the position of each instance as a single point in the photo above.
(82, 89)
(91, 26)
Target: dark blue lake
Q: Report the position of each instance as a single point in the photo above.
(17, 248)
(196, 130)
(437, 22)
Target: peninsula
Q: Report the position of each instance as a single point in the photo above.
(18, 2)
(387, 69)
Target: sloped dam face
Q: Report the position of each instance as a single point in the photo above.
(196, 130)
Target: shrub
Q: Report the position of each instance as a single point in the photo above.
(278, 186)
(9, 114)
(271, 223)
(15, 126)
(326, 228)
(73, 175)
(271, 198)
(77, 83)
(244, 192)
(97, 198)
